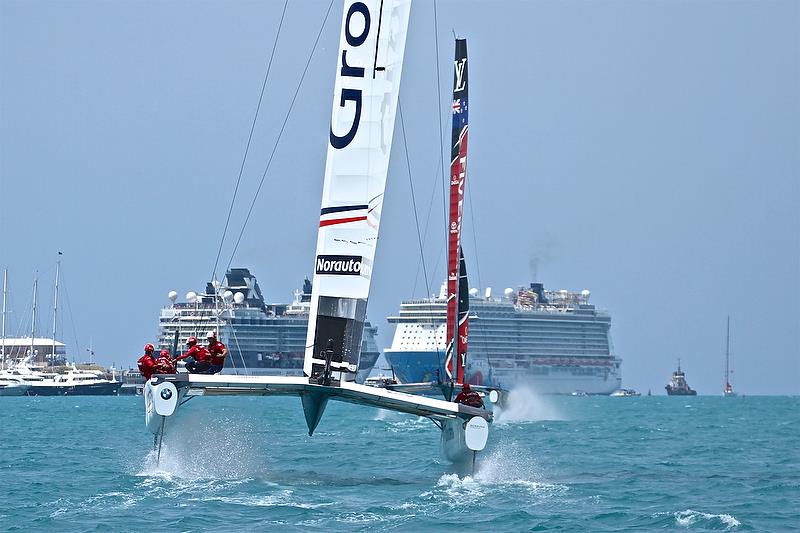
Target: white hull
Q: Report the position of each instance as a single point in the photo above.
(14, 390)
(461, 440)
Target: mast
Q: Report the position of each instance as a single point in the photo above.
(55, 311)
(33, 318)
(457, 286)
(5, 291)
(728, 387)
(369, 65)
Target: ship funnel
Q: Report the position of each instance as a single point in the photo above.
(538, 288)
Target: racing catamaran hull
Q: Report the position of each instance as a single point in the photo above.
(464, 428)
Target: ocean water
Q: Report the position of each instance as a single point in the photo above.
(553, 463)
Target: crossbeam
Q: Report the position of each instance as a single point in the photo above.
(350, 392)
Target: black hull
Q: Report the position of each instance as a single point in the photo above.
(672, 392)
(95, 389)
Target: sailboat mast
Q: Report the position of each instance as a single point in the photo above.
(33, 317)
(457, 289)
(5, 291)
(55, 311)
(727, 352)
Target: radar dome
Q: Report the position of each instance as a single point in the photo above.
(585, 293)
(473, 292)
(227, 296)
(191, 296)
(172, 296)
(238, 297)
(508, 292)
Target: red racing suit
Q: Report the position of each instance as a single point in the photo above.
(218, 352)
(200, 354)
(471, 398)
(164, 365)
(146, 364)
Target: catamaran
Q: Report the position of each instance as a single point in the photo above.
(371, 48)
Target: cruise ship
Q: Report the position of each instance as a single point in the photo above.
(262, 338)
(554, 342)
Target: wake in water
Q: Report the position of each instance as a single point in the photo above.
(691, 518)
(508, 466)
(203, 447)
(523, 404)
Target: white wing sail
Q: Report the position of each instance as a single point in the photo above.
(370, 60)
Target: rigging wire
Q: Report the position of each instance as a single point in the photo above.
(69, 310)
(249, 140)
(474, 236)
(439, 114)
(419, 236)
(280, 133)
(428, 218)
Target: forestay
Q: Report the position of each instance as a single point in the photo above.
(370, 60)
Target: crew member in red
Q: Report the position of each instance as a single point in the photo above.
(218, 352)
(201, 359)
(467, 396)
(147, 362)
(164, 364)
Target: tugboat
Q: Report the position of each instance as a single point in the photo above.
(678, 385)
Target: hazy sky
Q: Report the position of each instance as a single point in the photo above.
(646, 150)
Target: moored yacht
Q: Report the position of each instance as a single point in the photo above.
(12, 386)
(76, 382)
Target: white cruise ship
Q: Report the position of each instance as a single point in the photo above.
(262, 338)
(554, 342)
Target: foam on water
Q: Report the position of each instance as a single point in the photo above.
(410, 424)
(523, 404)
(207, 448)
(511, 464)
(691, 518)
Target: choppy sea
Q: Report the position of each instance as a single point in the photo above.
(553, 463)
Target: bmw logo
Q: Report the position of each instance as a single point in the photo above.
(166, 394)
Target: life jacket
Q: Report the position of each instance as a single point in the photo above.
(164, 365)
(216, 350)
(146, 365)
(200, 354)
(471, 398)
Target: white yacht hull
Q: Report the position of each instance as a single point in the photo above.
(20, 389)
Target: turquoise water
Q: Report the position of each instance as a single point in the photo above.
(557, 463)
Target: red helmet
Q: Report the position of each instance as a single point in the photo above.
(148, 348)
(164, 353)
(191, 340)
(466, 387)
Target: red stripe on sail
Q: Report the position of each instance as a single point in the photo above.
(334, 221)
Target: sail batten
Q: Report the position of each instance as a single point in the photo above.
(457, 285)
(370, 59)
